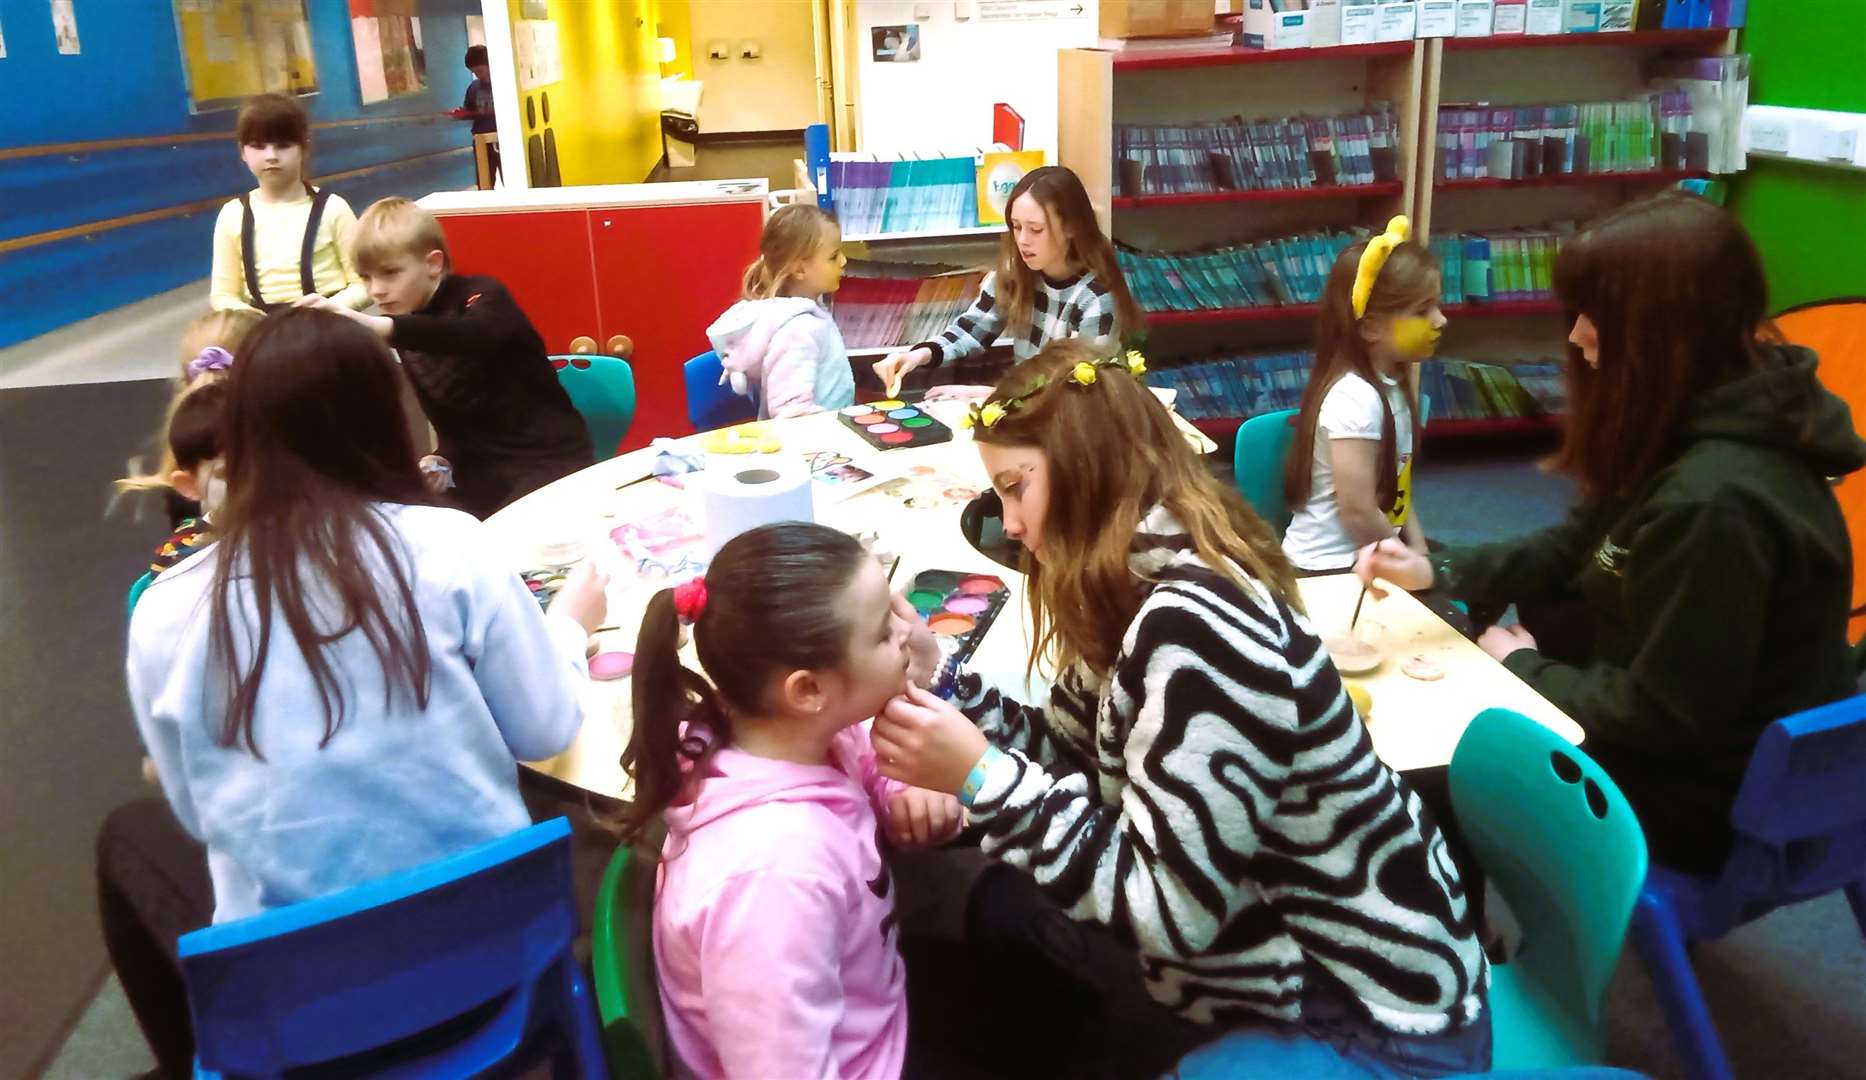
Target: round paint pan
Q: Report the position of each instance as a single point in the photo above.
(871, 418)
(608, 666)
(947, 624)
(925, 599)
(884, 406)
(967, 604)
(902, 414)
(937, 581)
(980, 585)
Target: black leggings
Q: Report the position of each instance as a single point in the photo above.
(153, 887)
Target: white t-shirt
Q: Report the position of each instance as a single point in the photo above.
(1316, 539)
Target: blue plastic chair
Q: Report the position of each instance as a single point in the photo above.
(1800, 820)
(1561, 845)
(443, 970)
(137, 587)
(603, 390)
(1257, 465)
(710, 403)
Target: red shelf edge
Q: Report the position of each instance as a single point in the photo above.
(1228, 57)
(1565, 179)
(1198, 198)
(1236, 314)
(1683, 39)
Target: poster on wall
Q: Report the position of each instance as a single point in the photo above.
(390, 60)
(65, 27)
(534, 46)
(896, 44)
(233, 49)
(476, 29)
(1019, 10)
(2, 43)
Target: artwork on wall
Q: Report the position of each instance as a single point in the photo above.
(233, 49)
(896, 44)
(65, 27)
(390, 59)
(2, 43)
(476, 29)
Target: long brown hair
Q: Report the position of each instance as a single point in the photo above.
(1675, 289)
(1408, 279)
(1066, 204)
(773, 605)
(792, 234)
(314, 435)
(1114, 454)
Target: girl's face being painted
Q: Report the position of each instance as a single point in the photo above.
(1406, 337)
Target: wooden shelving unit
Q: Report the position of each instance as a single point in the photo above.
(1099, 89)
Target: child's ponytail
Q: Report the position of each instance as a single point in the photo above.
(677, 719)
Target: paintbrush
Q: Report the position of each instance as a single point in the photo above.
(1357, 609)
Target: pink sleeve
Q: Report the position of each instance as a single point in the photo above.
(866, 768)
(790, 372)
(770, 962)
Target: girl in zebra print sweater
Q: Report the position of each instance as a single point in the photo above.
(1198, 783)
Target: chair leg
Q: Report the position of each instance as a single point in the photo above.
(1661, 943)
(1856, 896)
(585, 1034)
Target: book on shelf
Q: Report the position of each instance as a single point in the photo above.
(1502, 266)
(1469, 390)
(881, 309)
(1267, 273)
(906, 192)
(1275, 154)
(1658, 130)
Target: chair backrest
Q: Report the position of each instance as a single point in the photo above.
(1558, 839)
(1836, 330)
(603, 390)
(1800, 815)
(1257, 464)
(628, 998)
(137, 587)
(711, 403)
(445, 968)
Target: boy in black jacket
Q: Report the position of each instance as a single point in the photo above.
(478, 366)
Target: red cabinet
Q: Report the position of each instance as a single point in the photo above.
(656, 272)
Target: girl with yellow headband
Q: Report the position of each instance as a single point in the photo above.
(1348, 477)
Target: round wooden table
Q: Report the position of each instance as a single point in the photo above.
(1414, 724)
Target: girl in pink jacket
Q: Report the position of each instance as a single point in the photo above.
(779, 344)
(774, 935)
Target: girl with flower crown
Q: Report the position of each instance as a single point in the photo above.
(774, 927)
(1196, 809)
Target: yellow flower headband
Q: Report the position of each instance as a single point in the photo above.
(1374, 257)
(1083, 374)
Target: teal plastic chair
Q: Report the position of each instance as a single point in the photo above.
(628, 999)
(136, 589)
(603, 390)
(1257, 465)
(1560, 843)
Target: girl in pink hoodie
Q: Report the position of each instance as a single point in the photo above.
(774, 935)
(779, 344)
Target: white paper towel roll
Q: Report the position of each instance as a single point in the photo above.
(750, 492)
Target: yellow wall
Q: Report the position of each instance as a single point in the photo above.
(777, 91)
(606, 110)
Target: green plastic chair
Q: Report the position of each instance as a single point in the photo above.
(628, 1000)
(603, 389)
(1257, 465)
(1559, 841)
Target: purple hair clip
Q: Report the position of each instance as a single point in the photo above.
(212, 358)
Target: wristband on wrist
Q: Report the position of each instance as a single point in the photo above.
(975, 779)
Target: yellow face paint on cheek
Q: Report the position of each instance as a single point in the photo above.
(1415, 336)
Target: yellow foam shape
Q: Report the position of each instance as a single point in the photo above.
(743, 439)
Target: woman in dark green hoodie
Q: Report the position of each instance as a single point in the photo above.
(1700, 590)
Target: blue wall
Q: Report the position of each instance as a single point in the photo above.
(128, 82)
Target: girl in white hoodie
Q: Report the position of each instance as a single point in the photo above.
(779, 344)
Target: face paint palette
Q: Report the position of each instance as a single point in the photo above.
(544, 583)
(959, 608)
(888, 425)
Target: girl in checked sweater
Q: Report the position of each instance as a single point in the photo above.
(1197, 796)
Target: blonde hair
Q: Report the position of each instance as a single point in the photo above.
(792, 234)
(395, 226)
(1114, 449)
(217, 329)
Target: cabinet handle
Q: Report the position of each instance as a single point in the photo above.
(583, 344)
(621, 345)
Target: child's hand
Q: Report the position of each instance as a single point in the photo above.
(150, 775)
(1391, 560)
(893, 368)
(584, 597)
(1501, 641)
(918, 817)
(925, 742)
(923, 650)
